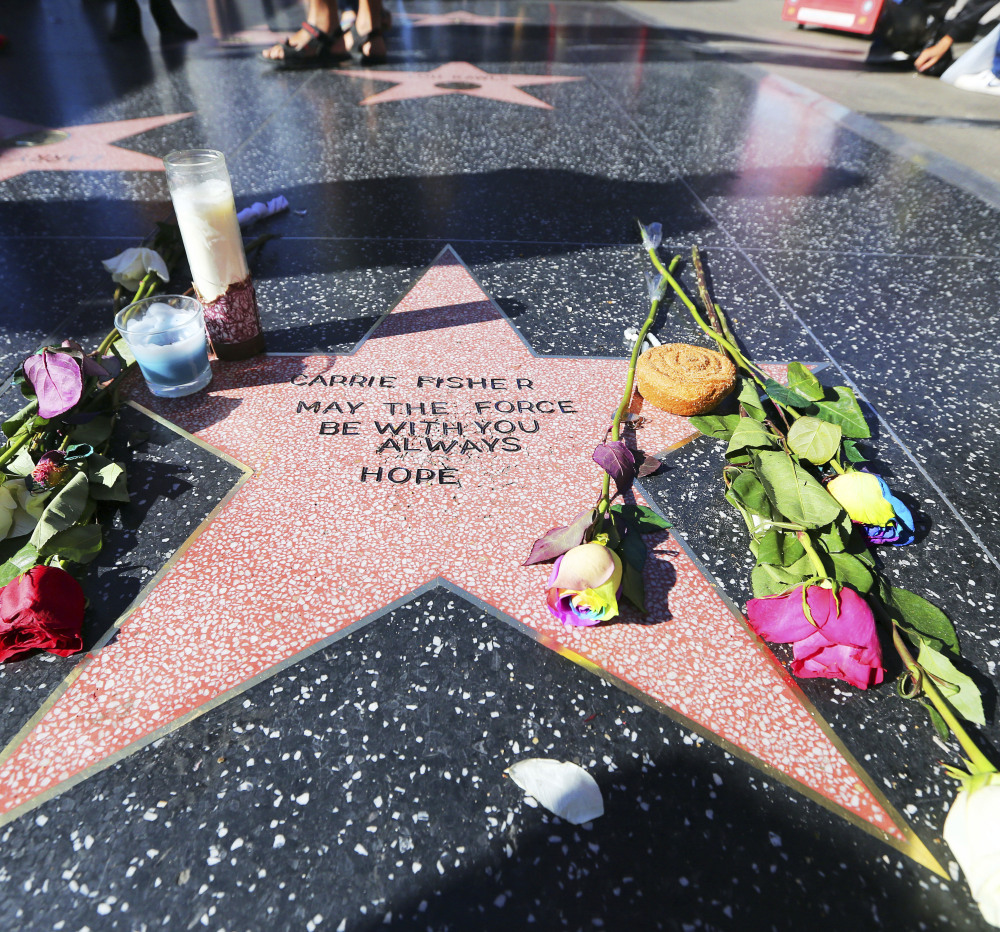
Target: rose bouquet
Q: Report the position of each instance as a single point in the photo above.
(55, 472)
(795, 474)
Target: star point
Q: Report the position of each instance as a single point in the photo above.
(87, 147)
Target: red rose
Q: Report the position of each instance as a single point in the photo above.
(41, 609)
(839, 642)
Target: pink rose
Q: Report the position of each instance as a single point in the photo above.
(841, 644)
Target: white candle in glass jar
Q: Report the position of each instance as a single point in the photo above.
(206, 215)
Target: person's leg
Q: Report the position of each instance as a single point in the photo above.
(128, 20)
(366, 42)
(996, 59)
(168, 21)
(322, 14)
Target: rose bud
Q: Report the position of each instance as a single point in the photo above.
(584, 585)
(867, 500)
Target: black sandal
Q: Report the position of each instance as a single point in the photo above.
(359, 42)
(314, 54)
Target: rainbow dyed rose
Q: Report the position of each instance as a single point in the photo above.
(867, 500)
(583, 587)
(836, 639)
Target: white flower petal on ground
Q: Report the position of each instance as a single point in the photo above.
(972, 831)
(565, 789)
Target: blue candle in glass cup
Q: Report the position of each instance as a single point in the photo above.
(166, 334)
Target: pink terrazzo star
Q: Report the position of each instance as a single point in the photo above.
(459, 18)
(255, 35)
(85, 148)
(458, 77)
(438, 451)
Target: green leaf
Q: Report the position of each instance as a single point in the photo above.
(21, 562)
(853, 454)
(956, 687)
(749, 398)
(773, 580)
(851, 571)
(842, 409)
(940, 725)
(26, 418)
(794, 492)
(63, 511)
(80, 543)
(94, 432)
(914, 613)
(121, 349)
(780, 548)
(746, 492)
(814, 440)
(802, 381)
(632, 586)
(22, 464)
(720, 427)
(643, 519)
(107, 480)
(633, 550)
(835, 538)
(749, 434)
(785, 396)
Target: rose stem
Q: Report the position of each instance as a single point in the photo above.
(605, 501)
(976, 757)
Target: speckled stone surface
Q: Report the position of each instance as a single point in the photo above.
(364, 788)
(821, 245)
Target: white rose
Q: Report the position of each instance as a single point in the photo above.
(129, 268)
(972, 831)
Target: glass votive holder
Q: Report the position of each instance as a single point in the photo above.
(166, 334)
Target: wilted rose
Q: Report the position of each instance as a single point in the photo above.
(51, 471)
(43, 609)
(840, 642)
(869, 502)
(130, 267)
(584, 584)
(972, 831)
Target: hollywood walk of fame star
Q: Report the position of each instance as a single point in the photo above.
(255, 35)
(76, 148)
(458, 77)
(437, 451)
(459, 18)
